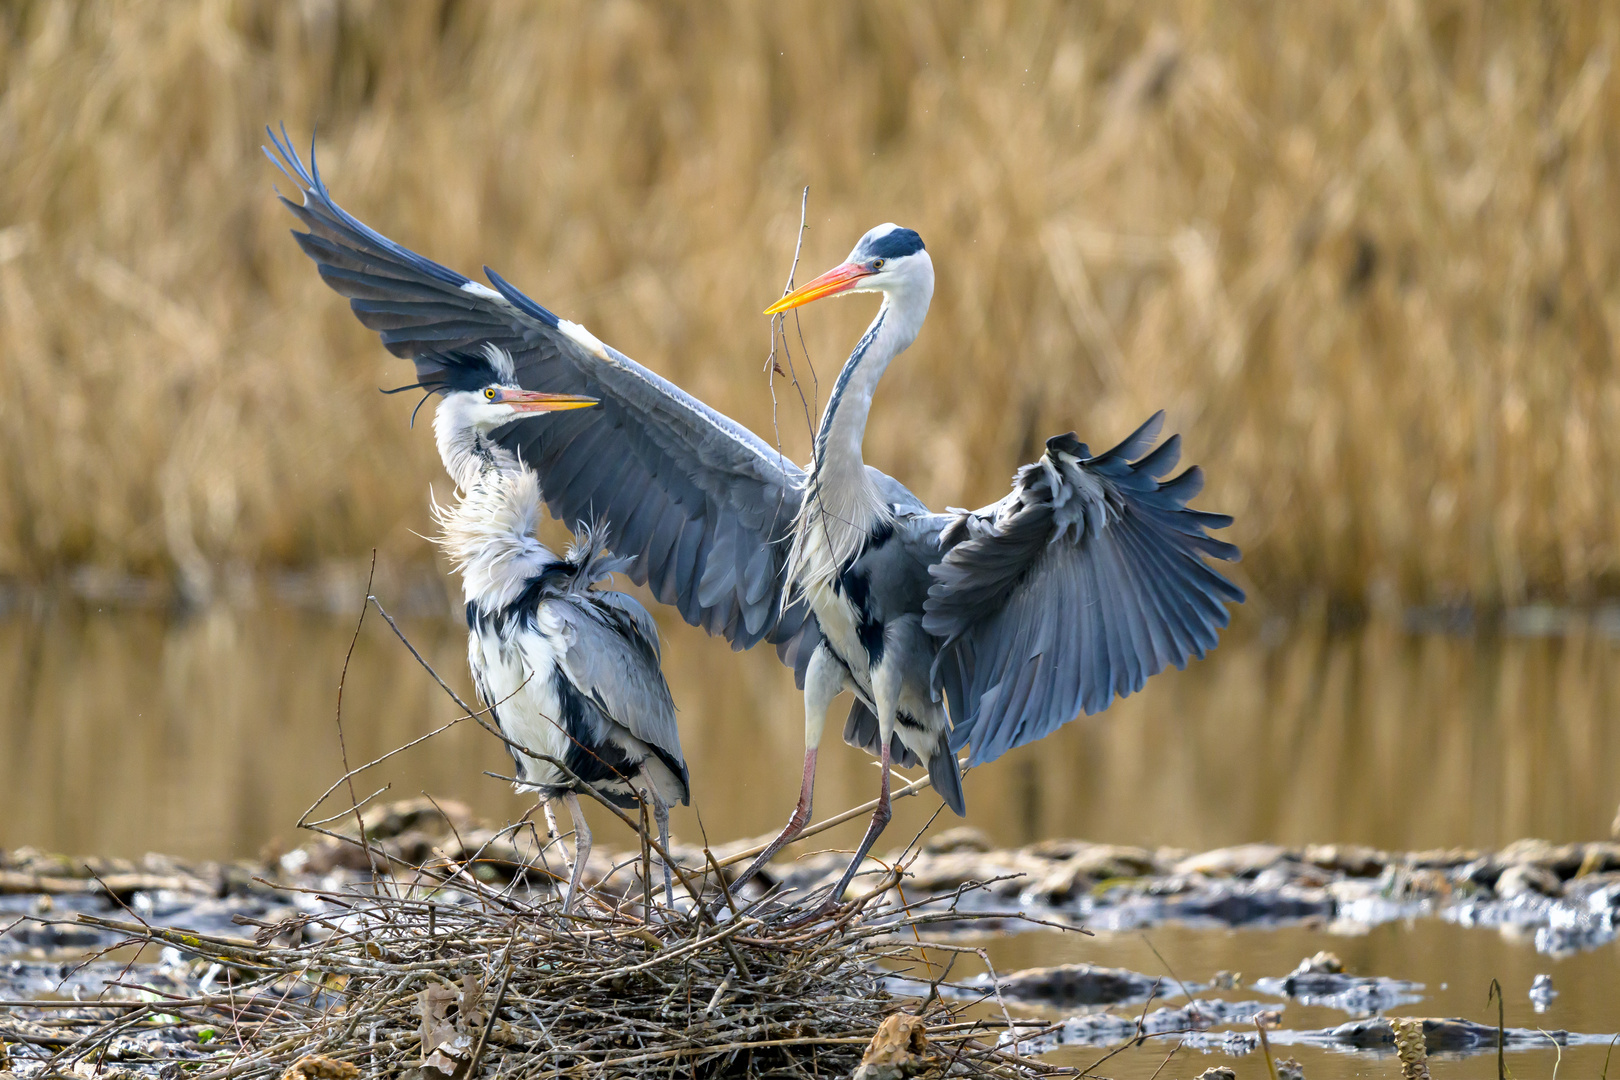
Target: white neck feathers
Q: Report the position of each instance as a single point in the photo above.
(488, 533)
(841, 508)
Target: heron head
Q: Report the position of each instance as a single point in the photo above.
(479, 392)
(888, 259)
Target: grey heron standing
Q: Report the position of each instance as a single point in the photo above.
(568, 670)
(987, 629)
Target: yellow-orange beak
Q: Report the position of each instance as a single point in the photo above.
(533, 401)
(838, 279)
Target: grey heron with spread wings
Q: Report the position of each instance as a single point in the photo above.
(987, 629)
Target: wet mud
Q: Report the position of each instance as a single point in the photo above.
(1559, 899)
(1567, 897)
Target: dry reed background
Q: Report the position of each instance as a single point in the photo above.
(1365, 254)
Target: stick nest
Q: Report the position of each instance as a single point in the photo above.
(447, 978)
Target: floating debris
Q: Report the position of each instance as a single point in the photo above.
(1439, 1035)
(1199, 1015)
(1542, 993)
(1320, 980)
(1074, 984)
(1323, 963)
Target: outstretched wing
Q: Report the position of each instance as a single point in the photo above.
(1084, 581)
(701, 505)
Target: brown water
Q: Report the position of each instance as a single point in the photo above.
(128, 731)
(124, 732)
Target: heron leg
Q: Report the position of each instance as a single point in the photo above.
(886, 692)
(552, 831)
(582, 850)
(880, 821)
(824, 679)
(795, 825)
(660, 810)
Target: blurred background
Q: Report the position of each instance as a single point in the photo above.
(1364, 254)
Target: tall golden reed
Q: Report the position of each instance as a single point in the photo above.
(1366, 254)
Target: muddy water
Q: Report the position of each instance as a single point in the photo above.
(123, 732)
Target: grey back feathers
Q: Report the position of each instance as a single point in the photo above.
(613, 657)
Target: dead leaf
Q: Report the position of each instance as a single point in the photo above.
(319, 1067)
(451, 1058)
(899, 1049)
(437, 1027)
(472, 996)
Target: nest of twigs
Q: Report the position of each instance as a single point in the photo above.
(434, 975)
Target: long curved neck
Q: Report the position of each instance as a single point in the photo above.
(489, 531)
(842, 507)
(838, 463)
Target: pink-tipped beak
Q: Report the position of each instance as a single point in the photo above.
(838, 279)
(533, 401)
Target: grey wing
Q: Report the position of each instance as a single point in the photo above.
(635, 619)
(612, 661)
(701, 505)
(1086, 580)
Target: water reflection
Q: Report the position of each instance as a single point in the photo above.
(124, 732)
(1455, 964)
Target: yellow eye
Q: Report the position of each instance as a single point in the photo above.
(490, 393)
(877, 264)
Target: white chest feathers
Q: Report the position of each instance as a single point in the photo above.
(516, 668)
(840, 625)
(820, 552)
(488, 535)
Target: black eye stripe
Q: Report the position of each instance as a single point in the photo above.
(895, 244)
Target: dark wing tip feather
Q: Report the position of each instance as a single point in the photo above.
(520, 301)
(328, 215)
(1133, 445)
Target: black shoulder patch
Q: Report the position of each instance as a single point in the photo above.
(894, 245)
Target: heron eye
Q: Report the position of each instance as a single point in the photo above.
(877, 264)
(491, 393)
